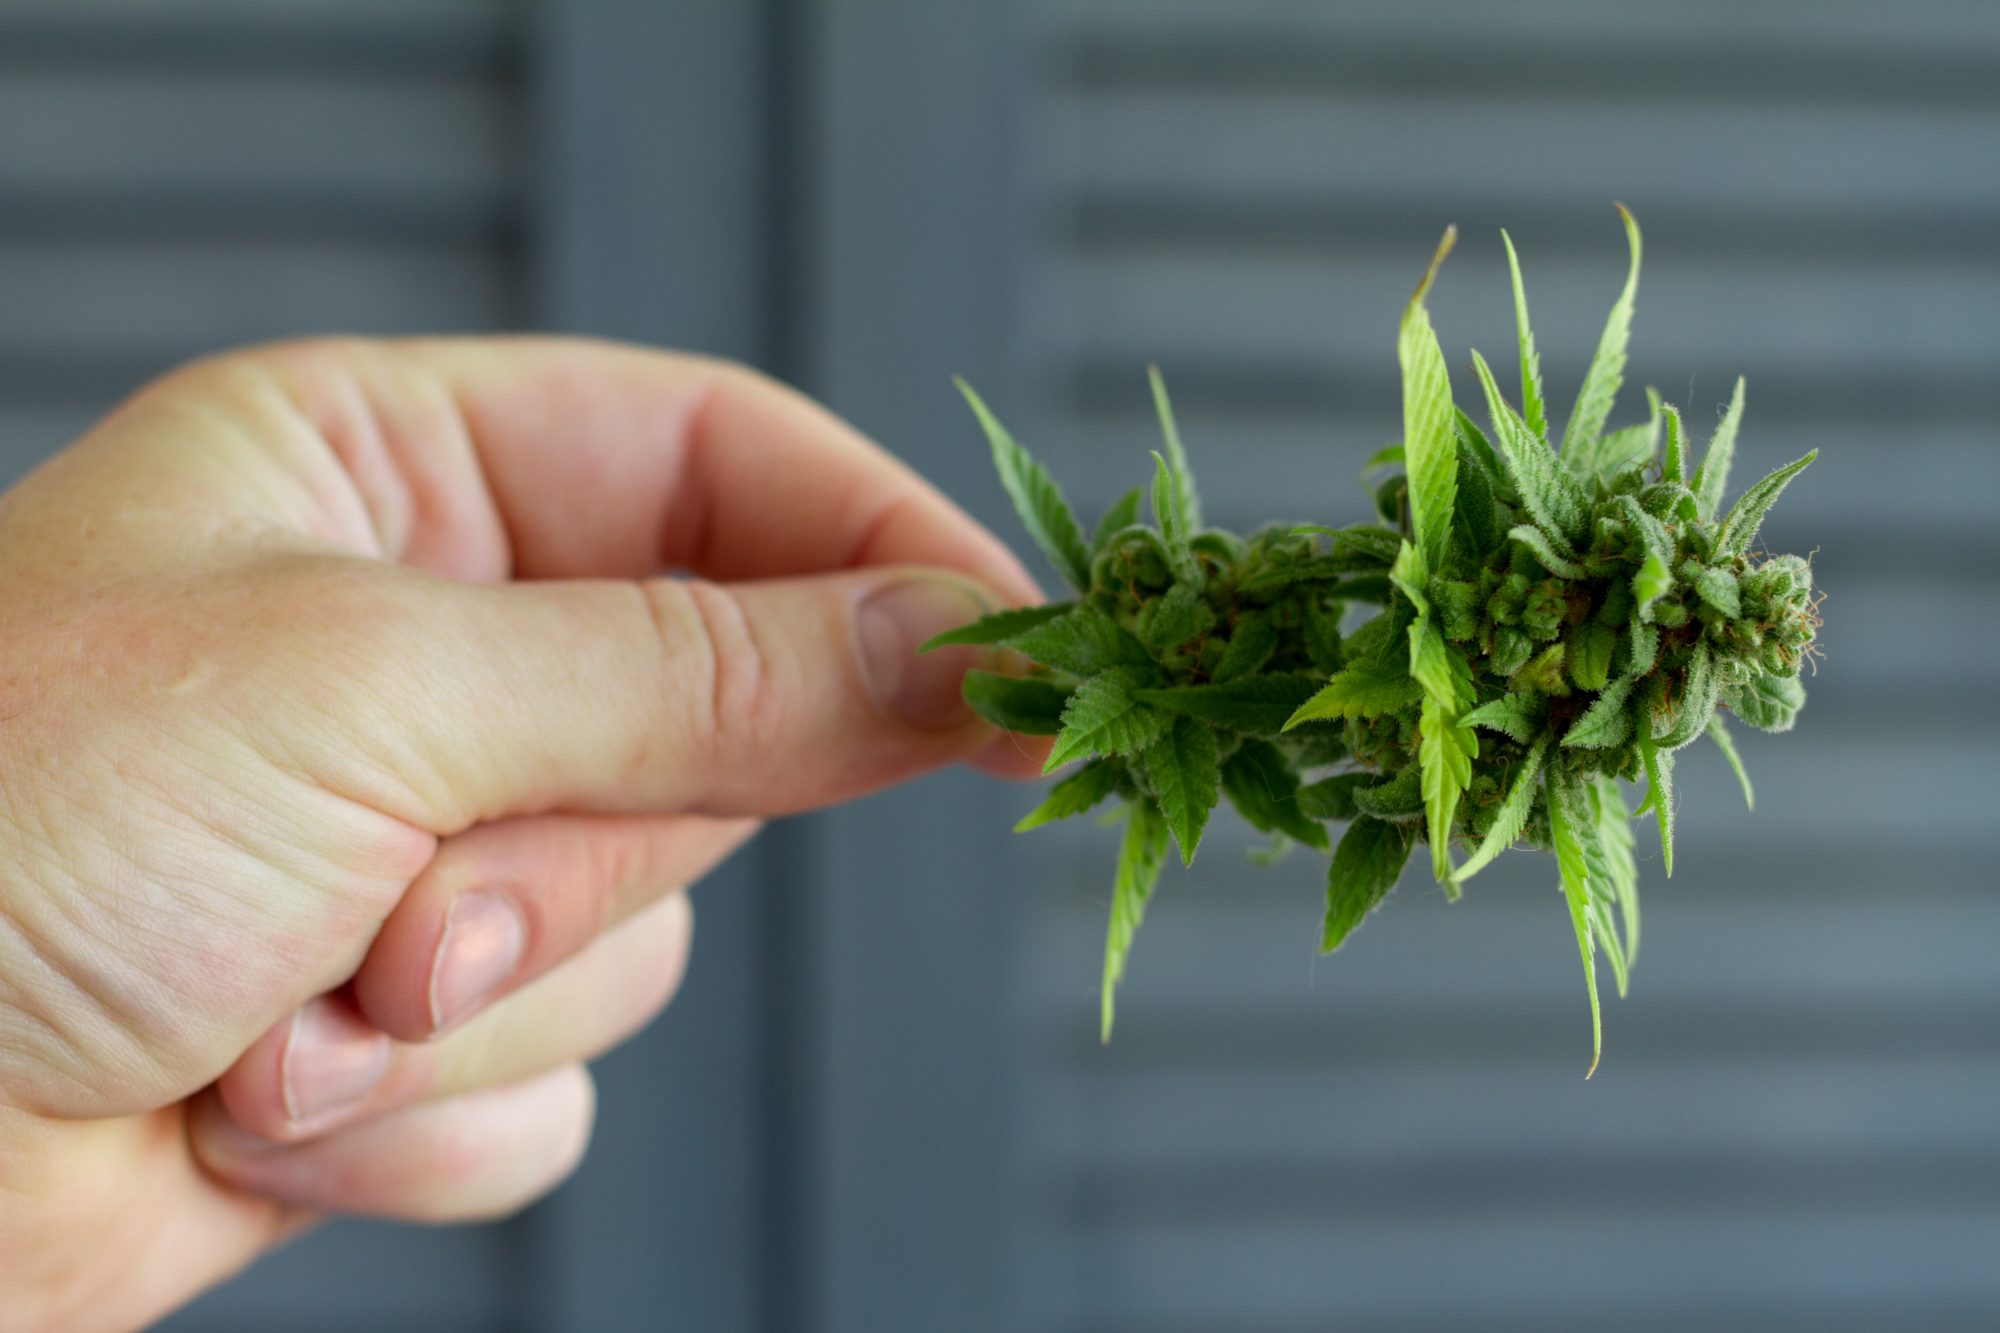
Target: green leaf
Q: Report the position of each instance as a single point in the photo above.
(1032, 706)
(1082, 641)
(1653, 581)
(1037, 498)
(1533, 413)
(1104, 718)
(1512, 816)
(1477, 516)
(1190, 500)
(1141, 857)
(1430, 443)
(1687, 716)
(1365, 867)
(1551, 493)
(1119, 517)
(1253, 705)
(1718, 588)
(1167, 507)
(1252, 640)
(1544, 550)
(1605, 723)
(1509, 715)
(1769, 703)
(1333, 798)
(1614, 839)
(1183, 769)
(1389, 455)
(1362, 690)
(1592, 645)
(1739, 529)
(1713, 474)
(1075, 794)
(1631, 446)
(1567, 822)
(1445, 749)
(1181, 614)
(1718, 731)
(1607, 369)
(1659, 766)
(1674, 466)
(999, 626)
(1399, 800)
(1261, 785)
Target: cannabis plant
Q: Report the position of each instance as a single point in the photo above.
(1524, 625)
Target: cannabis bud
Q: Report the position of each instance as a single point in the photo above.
(1524, 629)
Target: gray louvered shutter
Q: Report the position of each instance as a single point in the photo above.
(1793, 1127)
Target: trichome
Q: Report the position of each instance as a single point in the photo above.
(1525, 624)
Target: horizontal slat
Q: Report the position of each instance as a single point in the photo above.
(1241, 1276)
(1098, 1116)
(1699, 317)
(171, 301)
(1691, 156)
(1827, 29)
(256, 135)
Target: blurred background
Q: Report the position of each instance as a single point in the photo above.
(880, 1103)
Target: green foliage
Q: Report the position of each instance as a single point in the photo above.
(1524, 632)
(1037, 499)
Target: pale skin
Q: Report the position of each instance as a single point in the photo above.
(356, 747)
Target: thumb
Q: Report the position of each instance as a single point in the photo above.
(753, 698)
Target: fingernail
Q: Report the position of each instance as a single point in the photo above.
(484, 937)
(333, 1057)
(890, 624)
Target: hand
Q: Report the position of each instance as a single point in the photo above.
(353, 751)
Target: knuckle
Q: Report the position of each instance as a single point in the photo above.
(729, 699)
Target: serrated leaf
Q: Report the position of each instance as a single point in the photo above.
(1739, 529)
(1607, 368)
(1512, 816)
(1141, 856)
(1606, 723)
(1770, 703)
(1544, 550)
(1477, 515)
(999, 626)
(1365, 867)
(1104, 718)
(1445, 750)
(1037, 498)
(1481, 448)
(1399, 799)
(1177, 616)
(1253, 705)
(1687, 716)
(1614, 838)
(1173, 530)
(1030, 705)
(1551, 494)
(1509, 715)
(1122, 515)
(1362, 690)
(1190, 499)
(1533, 414)
(1082, 641)
(1183, 769)
(1430, 445)
(1074, 795)
(1713, 474)
(1659, 767)
(1261, 785)
(1566, 824)
(1673, 466)
(1718, 731)
(1252, 640)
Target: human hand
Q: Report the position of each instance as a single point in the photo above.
(352, 751)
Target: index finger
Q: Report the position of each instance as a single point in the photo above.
(569, 458)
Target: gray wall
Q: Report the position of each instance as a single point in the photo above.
(880, 1103)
